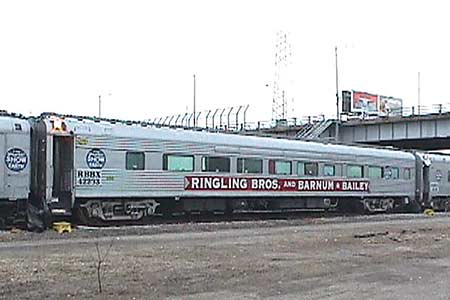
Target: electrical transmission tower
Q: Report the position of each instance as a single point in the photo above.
(282, 78)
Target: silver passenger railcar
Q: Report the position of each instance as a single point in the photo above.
(110, 171)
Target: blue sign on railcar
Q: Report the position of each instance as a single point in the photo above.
(16, 159)
(96, 159)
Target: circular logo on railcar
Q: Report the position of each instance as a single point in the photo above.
(16, 159)
(96, 159)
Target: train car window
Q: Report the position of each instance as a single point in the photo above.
(249, 165)
(391, 173)
(387, 172)
(375, 172)
(215, 164)
(307, 169)
(354, 171)
(395, 173)
(448, 176)
(329, 170)
(407, 174)
(135, 160)
(311, 169)
(178, 163)
(280, 167)
(301, 168)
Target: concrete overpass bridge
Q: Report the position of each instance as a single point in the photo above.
(419, 132)
(425, 127)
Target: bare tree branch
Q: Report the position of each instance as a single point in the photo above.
(100, 260)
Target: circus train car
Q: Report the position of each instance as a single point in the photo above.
(103, 170)
(15, 168)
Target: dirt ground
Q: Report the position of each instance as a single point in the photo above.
(369, 257)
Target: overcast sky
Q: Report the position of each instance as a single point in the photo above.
(141, 55)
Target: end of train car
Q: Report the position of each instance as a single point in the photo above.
(435, 185)
(15, 167)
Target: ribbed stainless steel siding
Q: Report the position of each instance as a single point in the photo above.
(122, 183)
(128, 144)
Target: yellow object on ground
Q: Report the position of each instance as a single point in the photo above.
(62, 227)
(429, 212)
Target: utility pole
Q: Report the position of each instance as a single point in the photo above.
(194, 102)
(337, 96)
(99, 106)
(418, 93)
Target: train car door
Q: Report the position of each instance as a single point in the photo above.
(426, 185)
(63, 175)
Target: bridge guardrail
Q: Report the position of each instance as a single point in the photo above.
(408, 111)
(231, 121)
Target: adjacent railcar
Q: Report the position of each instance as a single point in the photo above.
(114, 171)
(15, 168)
(438, 181)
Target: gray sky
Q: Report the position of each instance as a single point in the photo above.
(60, 55)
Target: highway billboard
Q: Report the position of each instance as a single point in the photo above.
(355, 102)
(365, 102)
(391, 106)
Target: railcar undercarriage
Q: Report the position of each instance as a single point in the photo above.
(374, 205)
(95, 211)
(389, 205)
(440, 204)
(117, 210)
(108, 211)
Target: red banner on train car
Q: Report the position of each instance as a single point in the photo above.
(223, 183)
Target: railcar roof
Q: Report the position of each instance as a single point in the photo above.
(8, 124)
(439, 157)
(89, 127)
